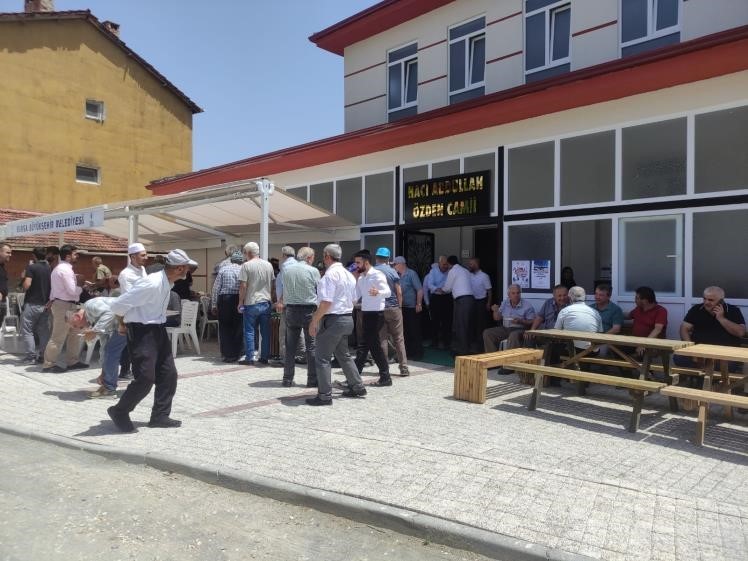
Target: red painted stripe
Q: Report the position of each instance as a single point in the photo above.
(432, 45)
(510, 16)
(601, 26)
(510, 55)
(363, 70)
(364, 100)
(432, 80)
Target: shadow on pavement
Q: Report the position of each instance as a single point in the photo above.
(75, 395)
(106, 427)
(265, 384)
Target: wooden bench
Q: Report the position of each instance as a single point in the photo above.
(637, 387)
(704, 398)
(471, 371)
(674, 370)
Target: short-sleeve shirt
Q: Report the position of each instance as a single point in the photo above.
(40, 274)
(523, 310)
(337, 287)
(393, 279)
(103, 272)
(706, 328)
(579, 317)
(549, 312)
(481, 284)
(611, 315)
(410, 285)
(259, 275)
(644, 321)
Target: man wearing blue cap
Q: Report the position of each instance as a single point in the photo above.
(393, 313)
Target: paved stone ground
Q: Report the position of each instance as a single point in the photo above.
(566, 476)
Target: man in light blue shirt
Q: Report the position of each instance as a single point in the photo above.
(440, 304)
(412, 306)
(514, 315)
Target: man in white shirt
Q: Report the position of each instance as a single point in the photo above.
(459, 285)
(64, 294)
(144, 311)
(578, 316)
(481, 284)
(331, 324)
(128, 276)
(372, 288)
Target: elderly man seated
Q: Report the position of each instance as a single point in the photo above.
(713, 322)
(96, 319)
(578, 316)
(515, 315)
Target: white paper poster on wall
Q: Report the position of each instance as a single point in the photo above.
(541, 274)
(521, 273)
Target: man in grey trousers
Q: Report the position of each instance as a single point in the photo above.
(36, 320)
(331, 324)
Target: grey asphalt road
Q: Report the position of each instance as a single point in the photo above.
(61, 504)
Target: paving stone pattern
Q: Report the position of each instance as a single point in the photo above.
(566, 476)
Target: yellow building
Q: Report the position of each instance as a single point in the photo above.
(83, 119)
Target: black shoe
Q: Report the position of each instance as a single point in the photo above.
(246, 362)
(354, 393)
(287, 383)
(121, 420)
(126, 376)
(262, 362)
(78, 366)
(382, 382)
(28, 359)
(164, 423)
(317, 401)
(230, 359)
(311, 383)
(54, 370)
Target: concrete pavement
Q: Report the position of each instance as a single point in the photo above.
(567, 478)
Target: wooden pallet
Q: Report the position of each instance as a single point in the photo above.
(471, 371)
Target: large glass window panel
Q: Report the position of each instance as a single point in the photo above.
(588, 168)
(586, 247)
(416, 173)
(298, 192)
(719, 259)
(722, 150)
(395, 91)
(531, 176)
(374, 241)
(379, 198)
(634, 19)
(560, 32)
(443, 169)
(650, 254)
(348, 199)
(530, 242)
(321, 195)
(483, 162)
(535, 41)
(457, 66)
(477, 59)
(667, 13)
(349, 250)
(654, 159)
(411, 81)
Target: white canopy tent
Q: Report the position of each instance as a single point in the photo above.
(207, 217)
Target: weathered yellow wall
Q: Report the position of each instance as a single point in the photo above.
(47, 71)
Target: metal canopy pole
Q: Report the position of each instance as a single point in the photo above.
(266, 189)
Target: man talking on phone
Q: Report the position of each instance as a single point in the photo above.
(713, 322)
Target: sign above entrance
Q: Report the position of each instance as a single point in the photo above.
(58, 222)
(448, 198)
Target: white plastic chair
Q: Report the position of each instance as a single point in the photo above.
(187, 327)
(205, 319)
(12, 320)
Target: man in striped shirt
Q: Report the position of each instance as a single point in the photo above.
(224, 301)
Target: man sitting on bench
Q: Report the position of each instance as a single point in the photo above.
(578, 316)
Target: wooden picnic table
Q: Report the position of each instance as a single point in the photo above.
(712, 353)
(664, 348)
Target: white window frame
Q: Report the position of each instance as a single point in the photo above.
(550, 12)
(652, 31)
(469, 49)
(98, 174)
(101, 114)
(404, 63)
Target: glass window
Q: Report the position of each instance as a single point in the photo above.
(650, 254)
(720, 260)
(483, 162)
(586, 247)
(547, 36)
(374, 241)
(299, 192)
(531, 176)
(348, 199)
(321, 195)
(722, 150)
(667, 13)
(443, 169)
(379, 189)
(402, 77)
(654, 160)
(530, 242)
(633, 19)
(87, 174)
(417, 173)
(94, 110)
(588, 168)
(349, 249)
(644, 19)
(467, 55)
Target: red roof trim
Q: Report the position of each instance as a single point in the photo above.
(707, 57)
(371, 21)
(88, 16)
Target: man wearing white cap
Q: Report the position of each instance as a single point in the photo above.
(128, 276)
(144, 309)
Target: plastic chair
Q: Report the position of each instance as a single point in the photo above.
(12, 320)
(187, 327)
(205, 321)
